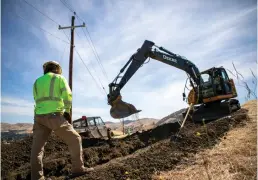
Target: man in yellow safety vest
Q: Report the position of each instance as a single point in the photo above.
(53, 99)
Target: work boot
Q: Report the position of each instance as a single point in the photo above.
(83, 172)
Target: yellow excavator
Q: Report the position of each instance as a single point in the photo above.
(213, 94)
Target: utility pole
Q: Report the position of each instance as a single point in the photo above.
(72, 27)
(71, 55)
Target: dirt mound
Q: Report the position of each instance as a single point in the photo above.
(160, 156)
(17, 153)
(234, 158)
(166, 155)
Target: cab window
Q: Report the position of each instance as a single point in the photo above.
(76, 124)
(99, 122)
(83, 123)
(206, 78)
(91, 122)
(224, 75)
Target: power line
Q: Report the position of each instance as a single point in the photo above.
(96, 55)
(89, 40)
(43, 14)
(67, 6)
(41, 29)
(51, 33)
(55, 36)
(40, 12)
(63, 54)
(94, 69)
(66, 35)
(98, 58)
(91, 44)
(93, 48)
(86, 66)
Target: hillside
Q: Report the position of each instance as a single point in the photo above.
(235, 157)
(222, 149)
(18, 126)
(21, 130)
(134, 125)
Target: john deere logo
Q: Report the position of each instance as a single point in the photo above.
(169, 58)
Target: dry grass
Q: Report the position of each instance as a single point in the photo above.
(234, 158)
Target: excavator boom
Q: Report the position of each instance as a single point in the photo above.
(135, 62)
(138, 59)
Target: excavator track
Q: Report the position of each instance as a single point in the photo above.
(212, 111)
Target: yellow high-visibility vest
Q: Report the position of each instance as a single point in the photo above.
(52, 94)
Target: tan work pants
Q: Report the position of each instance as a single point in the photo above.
(43, 126)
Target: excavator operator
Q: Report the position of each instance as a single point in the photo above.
(53, 99)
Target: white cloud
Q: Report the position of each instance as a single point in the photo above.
(79, 111)
(161, 102)
(16, 102)
(15, 110)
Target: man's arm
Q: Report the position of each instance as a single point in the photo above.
(66, 95)
(35, 93)
(34, 90)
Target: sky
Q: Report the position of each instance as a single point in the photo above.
(208, 33)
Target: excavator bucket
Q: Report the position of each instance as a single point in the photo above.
(121, 109)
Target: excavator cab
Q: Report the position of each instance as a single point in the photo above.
(217, 96)
(216, 85)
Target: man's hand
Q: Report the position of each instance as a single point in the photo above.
(68, 117)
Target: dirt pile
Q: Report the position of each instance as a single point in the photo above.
(166, 155)
(161, 154)
(233, 158)
(17, 153)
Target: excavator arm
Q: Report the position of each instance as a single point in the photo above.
(134, 63)
(150, 50)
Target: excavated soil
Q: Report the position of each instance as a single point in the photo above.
(160, 154)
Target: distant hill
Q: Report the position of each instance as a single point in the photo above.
(135, 125)
(18, 126)
(128, 121)
(109, 122)
(15, 131)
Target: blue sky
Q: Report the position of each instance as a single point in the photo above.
(209, 33)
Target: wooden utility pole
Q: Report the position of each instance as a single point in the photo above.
(72, 27)
(71, 55)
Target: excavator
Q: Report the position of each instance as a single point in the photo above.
(212, 95)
